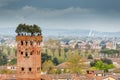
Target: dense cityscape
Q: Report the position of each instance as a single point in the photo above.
(100, 57)
(59, 40)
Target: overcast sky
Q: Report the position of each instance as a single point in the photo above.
(100, 15)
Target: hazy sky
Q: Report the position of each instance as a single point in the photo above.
(101, 15)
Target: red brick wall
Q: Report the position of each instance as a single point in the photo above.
(28, 57)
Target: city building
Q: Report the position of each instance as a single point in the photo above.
(111, 45)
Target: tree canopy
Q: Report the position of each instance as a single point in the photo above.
(28, 29)
(103, 64)
(45, 57)
(90, 56)
(48, 66)
(76, 64)
(13, 61)
(3, 59)
(111, 51)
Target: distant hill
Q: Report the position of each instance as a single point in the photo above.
(65, 32)
(77, 32)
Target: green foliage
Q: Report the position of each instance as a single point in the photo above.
(58, 71)
(92, 63)
(6, 53)
(107, 61)
(100, 65)
(6, 71)
(107, 67)
(48, 67)
(3, 59)
(111, 51)
(23, 28)
(66, 49)
(13, 61)
(53, 48)
(90, 56)
(104, 60)
(55, 61)
(75, 64)
(45, 57)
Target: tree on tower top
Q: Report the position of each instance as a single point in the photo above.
(23, 29)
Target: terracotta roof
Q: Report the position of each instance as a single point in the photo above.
(8, 77)
(98, 71)
(62, 65)
(112, 76)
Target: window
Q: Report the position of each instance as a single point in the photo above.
(26, 43)
(26, 54)
(30, 69)
(22, 69)
(21, 42)
(21, 53)
(31, 43)
(31, 53)
(12, 67)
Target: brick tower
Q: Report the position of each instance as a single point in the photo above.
(28, 57)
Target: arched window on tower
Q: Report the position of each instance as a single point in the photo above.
(26, 54)
(26, 43)
(30, 69)
(21, 42)
(21, 53)
(31, 43)
(31, 52)
(22, 69)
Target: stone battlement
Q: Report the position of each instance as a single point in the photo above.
(29, 38)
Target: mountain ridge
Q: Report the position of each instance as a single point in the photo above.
(66, 32)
